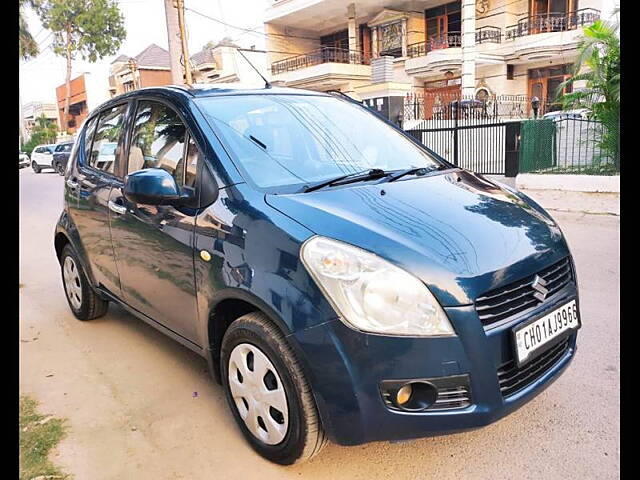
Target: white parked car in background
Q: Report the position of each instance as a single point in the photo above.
(577, 114)
(42, 156)
(24, 160)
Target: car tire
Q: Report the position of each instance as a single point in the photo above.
(82, 298)
(59, 168)
(251, 339)
(36, 167)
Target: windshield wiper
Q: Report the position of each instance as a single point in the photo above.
(419, 171)
(350, 178)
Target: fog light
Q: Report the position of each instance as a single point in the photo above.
(404, 394)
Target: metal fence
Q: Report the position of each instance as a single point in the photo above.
(420, 106)
(498, 135)
(473, 134)
(569, 145)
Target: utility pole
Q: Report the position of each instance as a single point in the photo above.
(23, 131)
(185, 48)
(173, 34)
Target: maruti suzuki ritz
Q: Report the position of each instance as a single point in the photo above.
(343, 281)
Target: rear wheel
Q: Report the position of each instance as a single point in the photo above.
(268, 393)
(59, 168)
(36, 167)
(83, 300)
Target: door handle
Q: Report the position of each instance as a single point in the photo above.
(121, 209)
(72, 184)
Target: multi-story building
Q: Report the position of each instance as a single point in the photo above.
(149, 68)
(34, 110)
(215, 63)
(221, 63)
(87, 92)
(381, 50)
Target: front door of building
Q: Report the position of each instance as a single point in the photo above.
(438, 96)
(544, 83)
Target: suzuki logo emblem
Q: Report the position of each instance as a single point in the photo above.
(539, 285)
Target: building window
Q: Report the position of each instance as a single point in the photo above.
(444, 26)
(339, 40)
(510, 69)
(390, 39)
(544, 83)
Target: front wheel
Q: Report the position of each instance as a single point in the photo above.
(268, 393)
(59, 168)
(83, 300)
(36, 167)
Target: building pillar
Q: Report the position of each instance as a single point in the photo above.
(374, 42)
(405, 37)
(353, 29)
(468, 47)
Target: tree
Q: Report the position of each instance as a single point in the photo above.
(28, 45)
(44, 131)
(598, 65)
(90, 28)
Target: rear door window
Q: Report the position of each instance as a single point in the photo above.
(106, 139)
(88, 138)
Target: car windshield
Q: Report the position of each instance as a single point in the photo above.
(295, 140)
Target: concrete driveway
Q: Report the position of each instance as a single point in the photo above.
(141, 406)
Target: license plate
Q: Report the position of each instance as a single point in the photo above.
(533, 337)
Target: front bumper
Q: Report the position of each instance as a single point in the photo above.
(346, 368)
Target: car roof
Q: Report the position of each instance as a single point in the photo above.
(210, 90)
(205, 90)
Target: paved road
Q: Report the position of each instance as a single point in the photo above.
(128, 391)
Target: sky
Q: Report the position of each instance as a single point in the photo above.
(145, 24)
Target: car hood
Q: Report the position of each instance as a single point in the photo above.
(459, 232)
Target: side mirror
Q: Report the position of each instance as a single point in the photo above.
(152, 186)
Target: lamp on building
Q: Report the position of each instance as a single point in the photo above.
(535, 105)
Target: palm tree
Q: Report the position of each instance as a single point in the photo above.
(28, 45)
(598, 65)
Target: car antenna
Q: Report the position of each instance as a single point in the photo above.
(266, 82)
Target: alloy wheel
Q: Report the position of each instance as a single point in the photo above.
(72, 284)
(258, 393)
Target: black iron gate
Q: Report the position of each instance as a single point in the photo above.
(471, 134)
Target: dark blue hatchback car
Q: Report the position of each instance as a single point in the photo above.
(342, 281)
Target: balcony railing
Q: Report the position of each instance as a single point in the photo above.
(452, 39)
(552, 22)
(488, 34)
(322, 55)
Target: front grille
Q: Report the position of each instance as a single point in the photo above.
(450, 398)
(513, 379)
(505, 302)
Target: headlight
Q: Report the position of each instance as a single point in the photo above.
(370, 293)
